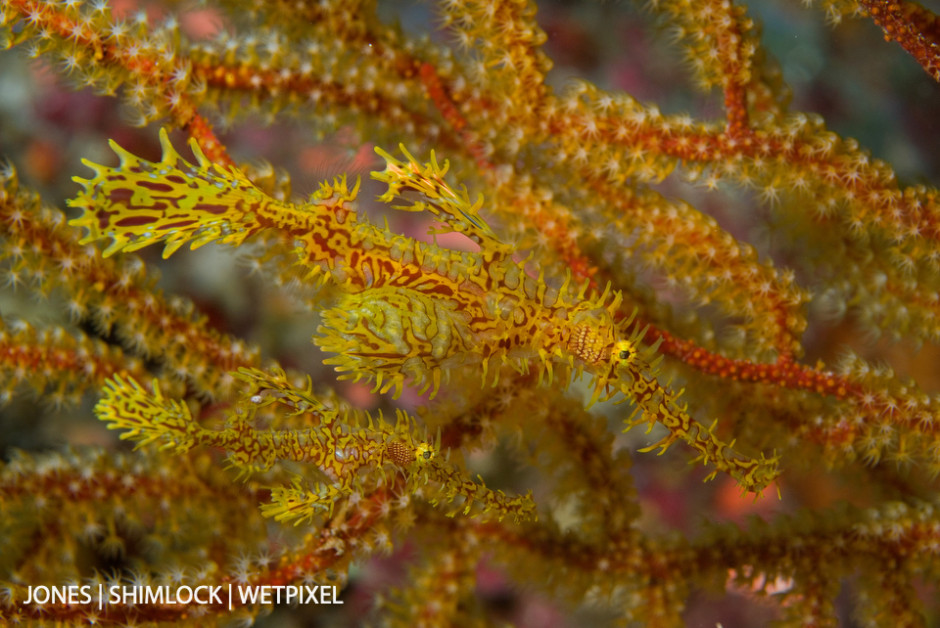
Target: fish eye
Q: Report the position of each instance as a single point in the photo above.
(625, 351)
(424, 452)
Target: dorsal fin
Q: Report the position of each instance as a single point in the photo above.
(436, 196)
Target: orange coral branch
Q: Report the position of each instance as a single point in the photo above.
(108, 53)
(916, 28)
